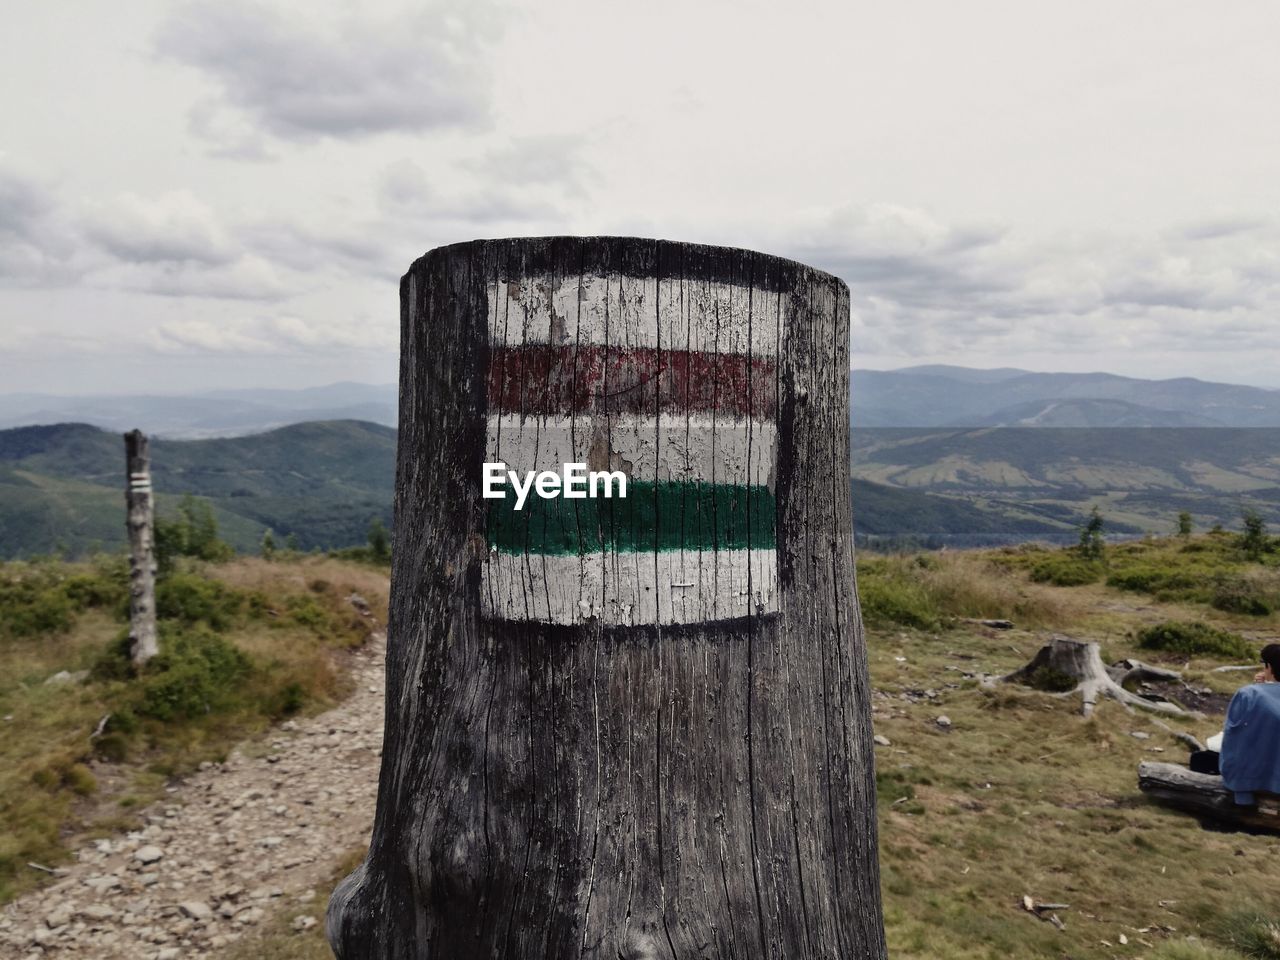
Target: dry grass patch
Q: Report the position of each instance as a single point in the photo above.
(242, 645)
(1022, 796)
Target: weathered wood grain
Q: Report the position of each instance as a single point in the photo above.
(694, 778)
(1205, 796)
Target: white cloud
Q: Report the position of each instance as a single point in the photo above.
(36, 245)
(925, 288)
(297, 77)
(283, 334)
(202, 336)
(248, 277)
(171, 228)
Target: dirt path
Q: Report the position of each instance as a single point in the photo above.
(231, 844)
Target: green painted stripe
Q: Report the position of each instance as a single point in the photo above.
(669, 515)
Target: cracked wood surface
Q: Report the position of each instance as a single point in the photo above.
(652, 739)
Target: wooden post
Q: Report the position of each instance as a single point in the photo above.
(143, 641)
(622, 728)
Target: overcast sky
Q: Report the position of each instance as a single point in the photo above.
(224, 194)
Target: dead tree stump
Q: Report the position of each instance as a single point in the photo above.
(143, 641)
(1205, 796)
(1081, 661)
(622, 728)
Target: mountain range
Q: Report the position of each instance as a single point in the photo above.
(924, 396)
(61, 487)
(940, 454)
(945, 396)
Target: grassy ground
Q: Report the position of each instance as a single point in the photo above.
(1021, 796)
(243, 644)
(1018, 796)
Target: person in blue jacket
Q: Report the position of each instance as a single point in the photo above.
(1250, 759)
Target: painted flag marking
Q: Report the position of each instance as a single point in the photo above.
(607, 372)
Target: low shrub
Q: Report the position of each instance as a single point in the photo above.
(890, 592)
(196, 672)
(1067, 570)
(31, 609)
(1194, 639)
(189, 599)
(1148, 579)
(44, 598)
(1241, 595)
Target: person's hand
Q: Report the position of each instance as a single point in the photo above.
(1260, 677)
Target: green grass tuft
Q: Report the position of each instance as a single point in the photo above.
(1251, 934)
(1195, 639)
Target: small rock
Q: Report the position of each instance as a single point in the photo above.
(881, 740)
(168, 953)
(59, 916)
(196, 909)
(944, 722)
(66, 676)
(148, 854)
(148, 879)
(101, 885)
(96, 912)
(271, 841)
(1140, 735)
(303, 923)
(252, 915)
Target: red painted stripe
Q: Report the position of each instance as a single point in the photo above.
(544, 379)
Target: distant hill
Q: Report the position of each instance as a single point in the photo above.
(1142, 477)
(324, 482)
(1087, 413)
(215, 414)
(935, 396)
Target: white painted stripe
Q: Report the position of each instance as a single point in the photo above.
(630, 589)
(739, 452)
(637, 313)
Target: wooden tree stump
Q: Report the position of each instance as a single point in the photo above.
(1205, 796)
(1081, 661)
(144, 642)
(627, 728)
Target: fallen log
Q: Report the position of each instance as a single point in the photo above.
(1205, 796)
(1081, 661)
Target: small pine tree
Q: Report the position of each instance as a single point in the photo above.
(193, 534)
(268, 545)
(1092, 543)
(1254, 539)
(1184, 523)
(291, 543)
(379, 541)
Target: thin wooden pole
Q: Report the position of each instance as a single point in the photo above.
(143, 641)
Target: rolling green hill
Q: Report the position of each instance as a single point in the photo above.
(1140, 476)
(61, 486)
(324, 482)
